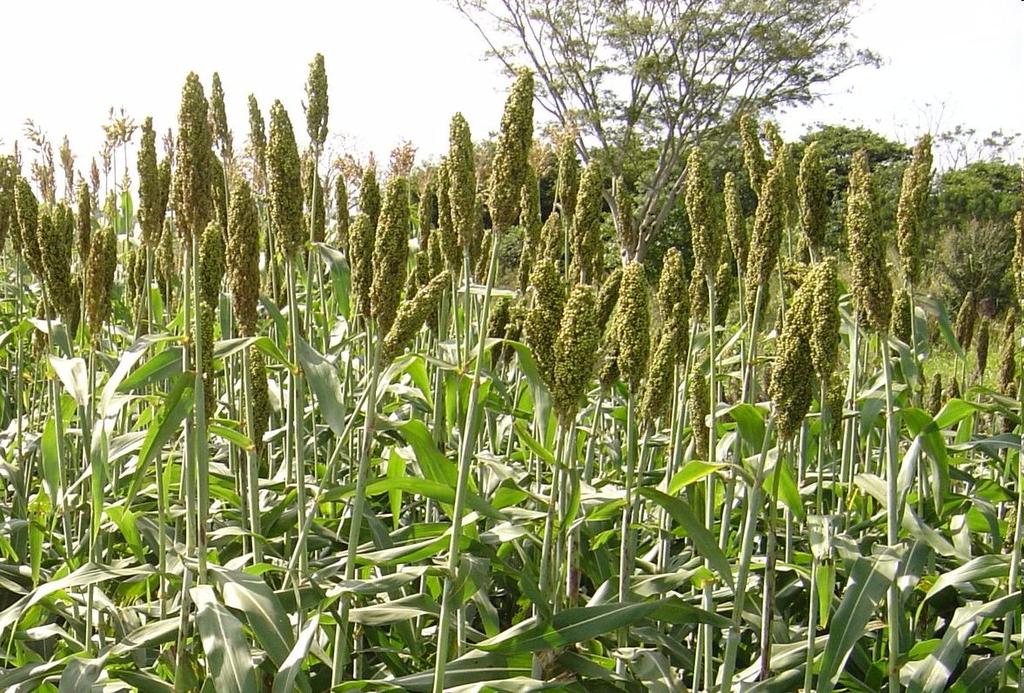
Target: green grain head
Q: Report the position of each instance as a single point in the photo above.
(965, 321)
(193, 151)
(508, 172)
(8, 181)
(316, 102)
(360, 248)
(735, 224)
(462, 184)
(753, 153)
(813, 197)
(285, 182)
(83, 222)
(27, 238)
(792, 377)
(369, 195)
(219, 130)
(316, 201)
(608, 297)
(412, 313)
(149, 187)
(531, 224)
(699, 210)
(575, 352)
(243, 256)
(935, 395)
(341, 213)
(544, 316)
(698, 399)
(899, 322)
(824, 320)
(568, 183)
(657, 388)
(769, 221)
(910, 212)
(632, 325)
(100, 271)
(981, 348)
(258, 143)
(871, 286)
(211, 264)
(626, 224)
(586, 223)
(390, 253)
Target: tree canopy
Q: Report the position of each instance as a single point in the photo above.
(650, 78)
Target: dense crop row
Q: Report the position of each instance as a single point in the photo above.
(252, 440)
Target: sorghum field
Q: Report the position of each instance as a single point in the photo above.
(260, 430)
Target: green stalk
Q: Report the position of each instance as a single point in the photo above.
(202, 450)
(746, 555)
(709, 498)
(466, 454)
(1015, 555)
(358, 506)
(251, 469)
(296, 415)
(625, 553)
(893, 515)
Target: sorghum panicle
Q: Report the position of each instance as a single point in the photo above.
(871, 286)
(285, 181)
(515, 136)
(632, 324)
(390, 253)
(575, 352)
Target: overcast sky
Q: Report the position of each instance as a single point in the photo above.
(398, 69)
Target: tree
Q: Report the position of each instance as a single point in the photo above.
(650, 78)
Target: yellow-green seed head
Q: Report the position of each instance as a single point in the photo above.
(608, 297)
(813, 197)
(608, 368)
(698, 295)
(258, 143)
(100, 271)
(369, 195)
(753, 153)
(586, 223)
(435, 254)
(698, 400)
(899, 323)
(390, 253)
(824, 317)
(965, 320)
(673, 288)
(699, 210)
(167, 263)
(568, 184)
(625, 223)
(219, 130)
(981, 348)
(910, 212)
(446, 230)
(552, 240)
(791, 382)
(8, 181)
(935, 395)
(56, 261)
(769, 221)
(508, 172)
(575, 352)
(725, 288)
(835, 398)
(219, 192)
(735, 224)
(545, 316)
(285, 182)
(259, 396)
(462, 183)
(871, 286)
(211, 264)
(150, 212)
(360, 247)
(633, 324)
(316, 102)
(193, 147)
(243, 256)
(27, 238)
(531, 224)
(341, 213)
(483, 260)
(952, 390)
(413, 313)
(657, 395)
(84, 222)
(316, 202)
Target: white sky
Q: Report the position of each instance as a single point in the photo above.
(398, 69)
